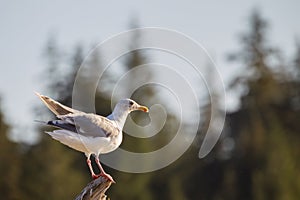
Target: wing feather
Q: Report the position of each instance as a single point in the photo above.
(91, 124)
(79, 122)
(56, 107)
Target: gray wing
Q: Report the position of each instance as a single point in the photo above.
(90, 124)
(56, 107)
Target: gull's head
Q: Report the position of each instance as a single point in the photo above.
(129, 105)
(123, 108)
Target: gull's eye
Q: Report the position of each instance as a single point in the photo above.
(130, 103)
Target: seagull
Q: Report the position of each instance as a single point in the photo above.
(90, 133)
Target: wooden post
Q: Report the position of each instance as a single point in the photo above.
(95, 190)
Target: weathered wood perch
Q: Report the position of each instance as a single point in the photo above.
(95, 190)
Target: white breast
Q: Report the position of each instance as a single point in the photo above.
(114, 143)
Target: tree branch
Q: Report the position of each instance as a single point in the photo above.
(95, 190)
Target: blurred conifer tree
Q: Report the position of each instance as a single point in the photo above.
(10, 170)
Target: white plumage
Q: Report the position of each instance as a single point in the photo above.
(90, 133)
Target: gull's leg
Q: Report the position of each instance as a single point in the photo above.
(102, 172)
(89, 162)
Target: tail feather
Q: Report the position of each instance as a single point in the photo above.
(68, 138)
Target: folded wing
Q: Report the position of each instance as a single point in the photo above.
(86, 124)
(79, 122)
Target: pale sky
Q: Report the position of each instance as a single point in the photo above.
(25, 27)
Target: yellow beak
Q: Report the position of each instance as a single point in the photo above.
(143, 108)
